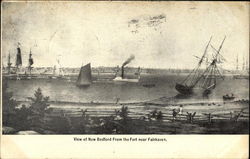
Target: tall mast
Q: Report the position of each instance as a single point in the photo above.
(204, 54)
(9, 64)
(237, 61)
(30, 61)
(212, 65)
(243, 65)
(218, 52)
(247, 64)
(196, 69)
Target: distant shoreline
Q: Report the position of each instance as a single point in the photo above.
(112, 70)
(151, 102)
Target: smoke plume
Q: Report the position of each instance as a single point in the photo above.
(132, 57)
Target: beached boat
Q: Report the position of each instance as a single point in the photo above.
(206, 80)
(85, 76)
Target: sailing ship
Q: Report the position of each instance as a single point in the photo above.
(58, 72)
(199, 78)
(31, 62)
(244, 72)
(13, 72)
(16, 72)
(85, 77)
(9, 65)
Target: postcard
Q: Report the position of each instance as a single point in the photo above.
(133, 79)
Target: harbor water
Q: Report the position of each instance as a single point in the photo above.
(109, 91)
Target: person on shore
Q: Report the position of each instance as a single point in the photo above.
(159, 116)
(174, 114)
(84, 113)
(180, 109)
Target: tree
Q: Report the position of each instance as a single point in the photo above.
(39, 103)
(38, 108)
(23, 115)
(9, 106)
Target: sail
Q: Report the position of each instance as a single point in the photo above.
(31, 61)
(85, 77)
(58, 69)
(18, 57)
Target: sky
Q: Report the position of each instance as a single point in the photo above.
(157, 34)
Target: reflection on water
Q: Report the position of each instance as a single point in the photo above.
(64, 90)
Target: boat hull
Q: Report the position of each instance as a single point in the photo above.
(83, 85)
(119, 79)
(19, 77)
(183, 89)
(241, 76)
(148, 85)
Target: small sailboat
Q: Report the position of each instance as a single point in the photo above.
(85, 77)
(206, 80)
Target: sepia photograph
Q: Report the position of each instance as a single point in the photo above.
(124, 68)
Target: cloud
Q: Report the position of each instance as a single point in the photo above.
(146, 21)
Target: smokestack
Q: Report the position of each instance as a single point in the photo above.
(132, 57)
(122, 72)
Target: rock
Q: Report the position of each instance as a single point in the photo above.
(8, 130)
(27, 132)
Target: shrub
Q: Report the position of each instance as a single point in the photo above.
(9, 106)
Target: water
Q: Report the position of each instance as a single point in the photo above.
(63, 90)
